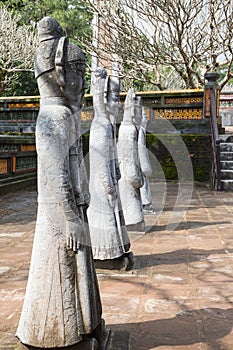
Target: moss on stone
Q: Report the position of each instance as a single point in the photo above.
(198, 147)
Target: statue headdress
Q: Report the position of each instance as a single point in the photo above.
(100, 85)
(131, 102)
(49, 28)
(55, 51)
(144, 118)
(130, 98)
(104, 84)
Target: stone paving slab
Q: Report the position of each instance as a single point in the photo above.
(179, 294)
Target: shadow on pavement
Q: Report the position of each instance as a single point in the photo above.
(187, 225)
(189, 327)
(176, 257)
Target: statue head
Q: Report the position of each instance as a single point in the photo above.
(59, 64)
(106, 93)
(144, 120)
(98, 92)
(112, 97)
(132, 108)
(49, 28)
(71, 72)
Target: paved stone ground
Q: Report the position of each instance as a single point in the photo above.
(179, 295)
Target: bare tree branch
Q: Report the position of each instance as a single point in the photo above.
(161, 41)
(17, 45)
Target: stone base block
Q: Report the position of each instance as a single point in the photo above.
(125, 262)
(97, 340)
(138, 227)
(87, 344)
(148, 209)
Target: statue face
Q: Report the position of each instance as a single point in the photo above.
(113, 104)
(137, 115)
(75, 84)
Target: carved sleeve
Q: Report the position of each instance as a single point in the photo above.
(128, 155)
(55, 184)
(101, 157)
(78, 173)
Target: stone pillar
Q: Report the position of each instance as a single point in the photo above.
(211, 83)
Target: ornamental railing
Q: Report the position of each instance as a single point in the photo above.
(173, 105)
(180, 107)
(17, 155)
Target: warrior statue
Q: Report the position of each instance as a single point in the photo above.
(131, 174)
(145, 166)
(109, 237)
(62, 306)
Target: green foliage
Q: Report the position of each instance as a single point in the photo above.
(13, 5)
(73, 15)
(199, 148)
(22, 84)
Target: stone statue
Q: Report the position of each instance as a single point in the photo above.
(62, 306)
(145, 166)
(109, 237)
(131, 174)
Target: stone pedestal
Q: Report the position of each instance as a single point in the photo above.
(98, 340)
(88, 344)
(148, 209)
(138, 227)
(125, 262)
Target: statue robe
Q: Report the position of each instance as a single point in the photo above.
(131, 176)
(62, 299)
(109, 235)
(145, 166)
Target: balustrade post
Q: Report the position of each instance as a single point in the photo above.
(211, 84)
(211, 110)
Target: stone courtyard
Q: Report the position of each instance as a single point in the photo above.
(179, 294)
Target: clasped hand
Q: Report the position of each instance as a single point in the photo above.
(75, 234)
(112, 199)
